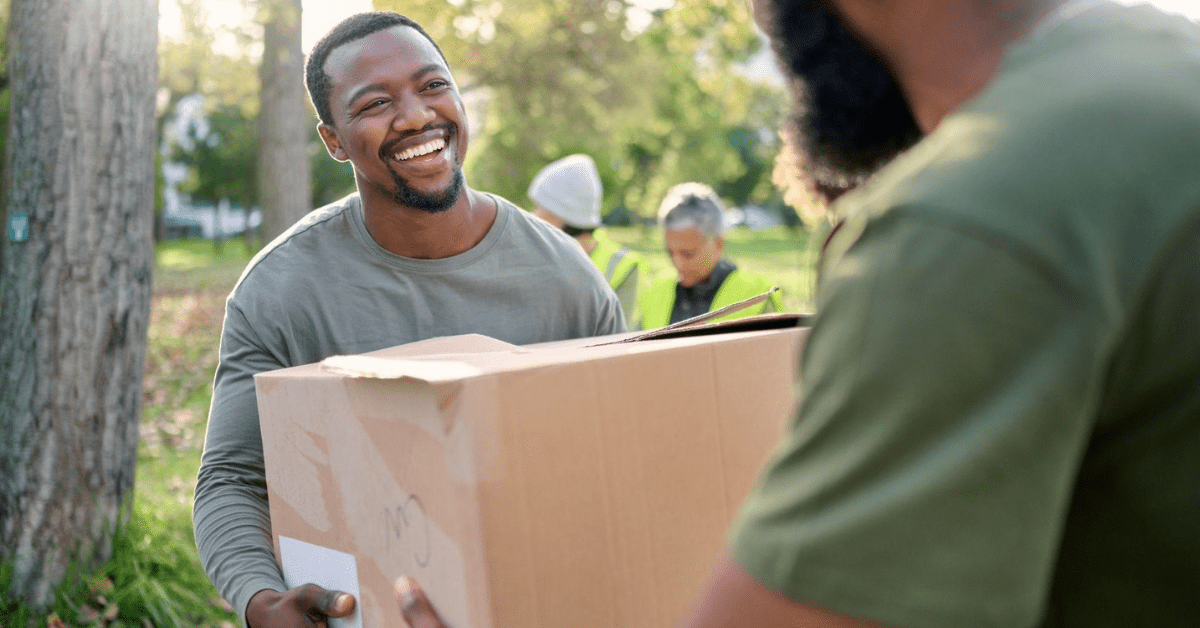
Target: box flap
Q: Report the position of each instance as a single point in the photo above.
(671, 331)
(725, 311)
(429, 371)
(761, 322)
(453, 359)
(465, 343)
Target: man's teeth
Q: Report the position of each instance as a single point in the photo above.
(423, 149)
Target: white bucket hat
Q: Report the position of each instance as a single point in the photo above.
(570, 189)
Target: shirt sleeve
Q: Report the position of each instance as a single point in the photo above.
(231, 517)
(946, 394)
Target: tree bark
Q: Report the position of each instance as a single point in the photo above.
(75, 295)
(285, 179)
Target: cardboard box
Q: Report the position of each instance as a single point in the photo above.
(562, 485)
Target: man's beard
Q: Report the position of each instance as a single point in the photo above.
(434, 203)
(404, 194)
(851, 116)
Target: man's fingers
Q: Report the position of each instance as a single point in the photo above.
(342, 605)
(329, 602)
(415, 607)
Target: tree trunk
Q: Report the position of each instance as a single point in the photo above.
(75, 295)
(284, 177)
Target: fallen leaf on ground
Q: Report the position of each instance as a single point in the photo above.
(87, 614)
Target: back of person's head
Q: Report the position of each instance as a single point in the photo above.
(570, 189)
(692, 206)
(350, 29)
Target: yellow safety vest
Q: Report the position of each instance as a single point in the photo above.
(659, 301)
(613, 260)
(617, 263)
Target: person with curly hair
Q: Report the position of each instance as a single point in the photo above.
(999, 411)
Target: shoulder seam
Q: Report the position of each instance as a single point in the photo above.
(257, 261)
(993, 238)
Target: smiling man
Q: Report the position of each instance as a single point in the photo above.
(415, 254)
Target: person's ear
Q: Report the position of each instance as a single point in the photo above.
(720, 243)
(333, 144)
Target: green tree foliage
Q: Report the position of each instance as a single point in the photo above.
(223, 163)
(331, 179)
(221, 158)
(653, 96)
(190, 63)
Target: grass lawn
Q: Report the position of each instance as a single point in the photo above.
(155, 579)
(191, 281)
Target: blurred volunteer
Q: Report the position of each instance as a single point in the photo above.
(692, 220)
(414, 254)
(567, 194)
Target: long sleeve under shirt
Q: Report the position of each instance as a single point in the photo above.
(698, 299)
(324, 288)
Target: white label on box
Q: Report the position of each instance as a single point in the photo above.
(304, 563)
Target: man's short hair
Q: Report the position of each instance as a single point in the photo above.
(692, 206)
(350, 29)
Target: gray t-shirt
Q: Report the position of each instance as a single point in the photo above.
(325, 287)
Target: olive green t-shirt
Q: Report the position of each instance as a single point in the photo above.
(999, 415)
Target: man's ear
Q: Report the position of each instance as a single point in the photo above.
(720, 243)
(332, 143)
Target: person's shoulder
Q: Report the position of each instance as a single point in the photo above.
(525, 223)
(538, 236)
(1080, 156)
(1101, 107)
(606, 246)
(286, 257)
(564, 270)
(633, 256)
(751, 279)
(1127, 74)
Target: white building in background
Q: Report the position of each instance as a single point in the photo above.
(211, 223)
(181, 217)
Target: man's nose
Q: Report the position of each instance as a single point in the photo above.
(414, 114)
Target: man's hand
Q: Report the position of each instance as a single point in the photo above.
(417, 610)
(306, 606)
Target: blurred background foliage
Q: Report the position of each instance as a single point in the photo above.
(655, 91)
(655, 96)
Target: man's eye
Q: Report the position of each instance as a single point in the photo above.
(374, 103)
(436, 84)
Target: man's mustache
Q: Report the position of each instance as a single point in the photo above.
(389, 149)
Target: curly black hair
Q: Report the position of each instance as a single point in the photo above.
(350, 29)
(852, 116)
